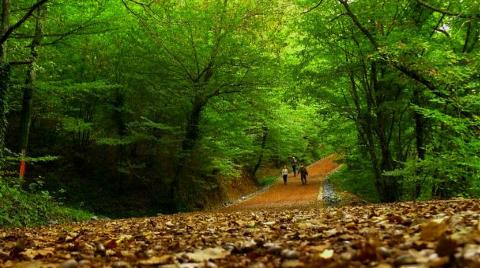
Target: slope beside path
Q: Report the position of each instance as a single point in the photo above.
(293, 194)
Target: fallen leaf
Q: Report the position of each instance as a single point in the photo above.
(34, 264)
(157, 260)
(292, 264)
(327, 254)
(207, 254)
(433, 230)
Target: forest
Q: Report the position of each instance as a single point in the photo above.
(137, 107)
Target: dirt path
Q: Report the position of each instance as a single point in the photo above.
(294, 193)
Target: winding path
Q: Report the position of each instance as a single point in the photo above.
(294, 193)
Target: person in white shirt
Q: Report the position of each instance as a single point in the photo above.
(285, 174)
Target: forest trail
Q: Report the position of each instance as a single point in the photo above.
(294, 194)
(285, 226)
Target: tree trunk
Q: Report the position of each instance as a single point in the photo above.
(265, 132)
(118, 114)
(419, 128)
(4, 27)
(4, 77)
(4, 86)
(26, 114)
(390, 184)
(419, 138)
(179, 185)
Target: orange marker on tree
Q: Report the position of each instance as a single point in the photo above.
(23, 165)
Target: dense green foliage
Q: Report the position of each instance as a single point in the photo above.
(406, 75)
(151, 106)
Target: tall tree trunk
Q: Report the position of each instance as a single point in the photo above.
(265, 132)
(118, 113)
(419, 138)
(4, 28)
(4, 86)
(26, 114)
(419, 128)
(179, 185)
(365, 126)
(4, 76)
(390, 183)
(119, 118)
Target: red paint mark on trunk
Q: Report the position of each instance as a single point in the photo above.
(23, 167)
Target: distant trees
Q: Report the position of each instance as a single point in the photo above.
(160, 102)
(212, 49)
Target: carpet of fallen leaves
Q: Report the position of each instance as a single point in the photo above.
(427, 234)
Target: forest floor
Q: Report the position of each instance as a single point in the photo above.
(264, 231)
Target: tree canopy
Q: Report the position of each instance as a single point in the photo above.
(157, 104)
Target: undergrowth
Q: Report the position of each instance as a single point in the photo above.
(20, 208)
(266, 181)
(358, 182)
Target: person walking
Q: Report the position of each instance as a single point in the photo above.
(285, 174)
(303, 173)
(294, 165)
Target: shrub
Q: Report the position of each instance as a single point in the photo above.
(19, 207)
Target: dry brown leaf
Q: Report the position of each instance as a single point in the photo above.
(433, 230)
(157, 260)
(292, 264)
(319, 248)
(33, 264)
(207, 254)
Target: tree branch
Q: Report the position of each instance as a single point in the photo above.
(20, 62)
(73, 31)
(314, 7)
(358, 24)
(129, 9)
(413, 74)
(20, 22)
(447, 12)
(443, 31)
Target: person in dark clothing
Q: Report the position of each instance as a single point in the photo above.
(285, 174)
(303, 173)
(294, 166)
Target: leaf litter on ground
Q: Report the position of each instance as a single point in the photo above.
(412, 234)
